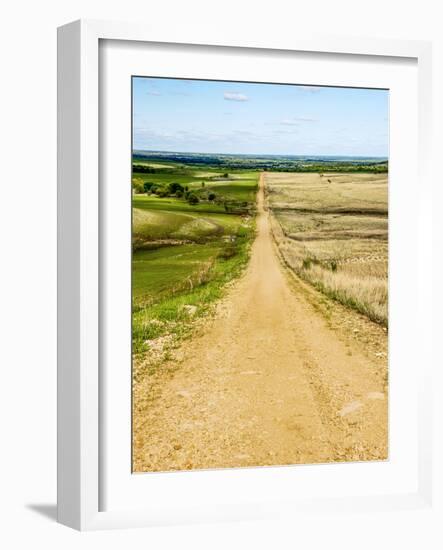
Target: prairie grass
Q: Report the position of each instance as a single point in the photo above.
(347, 193)
(332, 230)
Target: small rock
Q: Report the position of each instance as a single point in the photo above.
(351, 407)
(376, 395)
(190, 310)
(242, 456)
(184, 393)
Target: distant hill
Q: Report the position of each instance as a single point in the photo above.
(275, 163)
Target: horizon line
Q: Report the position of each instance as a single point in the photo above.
(260, 154)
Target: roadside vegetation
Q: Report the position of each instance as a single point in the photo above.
(332, 230)
(191, 235)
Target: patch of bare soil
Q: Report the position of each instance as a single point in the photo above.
(281, 375)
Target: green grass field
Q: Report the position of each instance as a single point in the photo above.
(170, 204)
(184, 254)
(168, 270)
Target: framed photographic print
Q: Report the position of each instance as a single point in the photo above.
(234, 276)
(268, 379)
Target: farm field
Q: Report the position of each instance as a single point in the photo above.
(332, 230)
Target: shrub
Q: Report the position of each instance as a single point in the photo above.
(308, 262)
(137, 187)
(161, 192)
(242, 231)
(142, 169)
(228, 251)
(147, 186)
(174, 187)
(193, 199)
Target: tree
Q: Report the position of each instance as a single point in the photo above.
(143, 169)
(193, 199)
(174, 187)
(161, 192)
(211, 196)
(203, 183)
(147, 186)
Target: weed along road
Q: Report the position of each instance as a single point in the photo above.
(272, 378)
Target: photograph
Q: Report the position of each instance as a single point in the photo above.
(259, 274)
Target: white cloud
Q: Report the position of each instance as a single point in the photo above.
(286, 131)
(243, 132)
(153, 92)
(235, 96)
(296, 121)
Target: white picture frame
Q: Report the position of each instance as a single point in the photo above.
(79, 362)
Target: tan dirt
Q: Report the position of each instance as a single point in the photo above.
(271, 380)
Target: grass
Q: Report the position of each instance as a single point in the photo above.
(330, 193)
(149, 226)
(240, 185)
(169, 204)
(165, 287)
(167, 270)
(184, 255)
(332, 230)
(244, 191)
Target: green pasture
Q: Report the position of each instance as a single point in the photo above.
(189, 224)
(168, 280)
(170, 204)
(155, 272)
(183, 254)
(240, 185)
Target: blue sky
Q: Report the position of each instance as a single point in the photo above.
(232, 117)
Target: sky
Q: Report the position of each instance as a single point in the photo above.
(201, 116)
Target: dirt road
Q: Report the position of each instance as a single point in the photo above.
(268, 381)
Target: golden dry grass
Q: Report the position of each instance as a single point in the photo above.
(332, 230)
